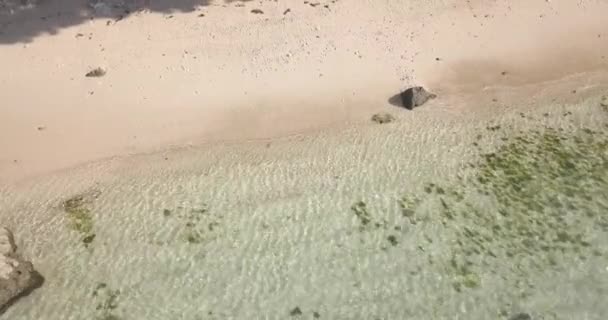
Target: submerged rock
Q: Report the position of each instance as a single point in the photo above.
(520, 316)
(415, 97)
(17, 276)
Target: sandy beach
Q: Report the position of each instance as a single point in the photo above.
(225, 166)
(189, 73)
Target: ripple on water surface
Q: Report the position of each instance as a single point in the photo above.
(372, 225)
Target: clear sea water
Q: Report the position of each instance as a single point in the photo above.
(456, 218)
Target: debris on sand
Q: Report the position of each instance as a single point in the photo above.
(415, 97)
(257, 11)
(96, 73)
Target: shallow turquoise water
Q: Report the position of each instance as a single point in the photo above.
(447, 219)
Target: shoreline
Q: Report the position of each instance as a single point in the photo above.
(522, 100)
(482, 107)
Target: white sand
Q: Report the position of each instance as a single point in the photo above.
(284, 234)
(234, 75)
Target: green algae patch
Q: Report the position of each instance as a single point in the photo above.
(366, 221)
(547, 189)
(196, 225)
(532, 202)
(362, 214)
(408, 205)
(79, 215)
(106, 302)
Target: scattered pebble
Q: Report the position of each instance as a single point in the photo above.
(382, 118)
(286, 11)
(257, 11)
(97, 72)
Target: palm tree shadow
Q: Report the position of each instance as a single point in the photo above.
(21, 21)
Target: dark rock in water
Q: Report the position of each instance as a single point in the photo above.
(295, 311)
(415, 97)
(17, 276)
(520, 316)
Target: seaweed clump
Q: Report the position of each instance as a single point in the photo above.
(107, 302)
(548, 189)
(80, 218)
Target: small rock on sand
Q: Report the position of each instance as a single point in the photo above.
(17, 276)
(97, 72)
(382, 118)
(415, 97)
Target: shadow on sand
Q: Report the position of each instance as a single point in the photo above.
(396, 100)
(21, 21)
